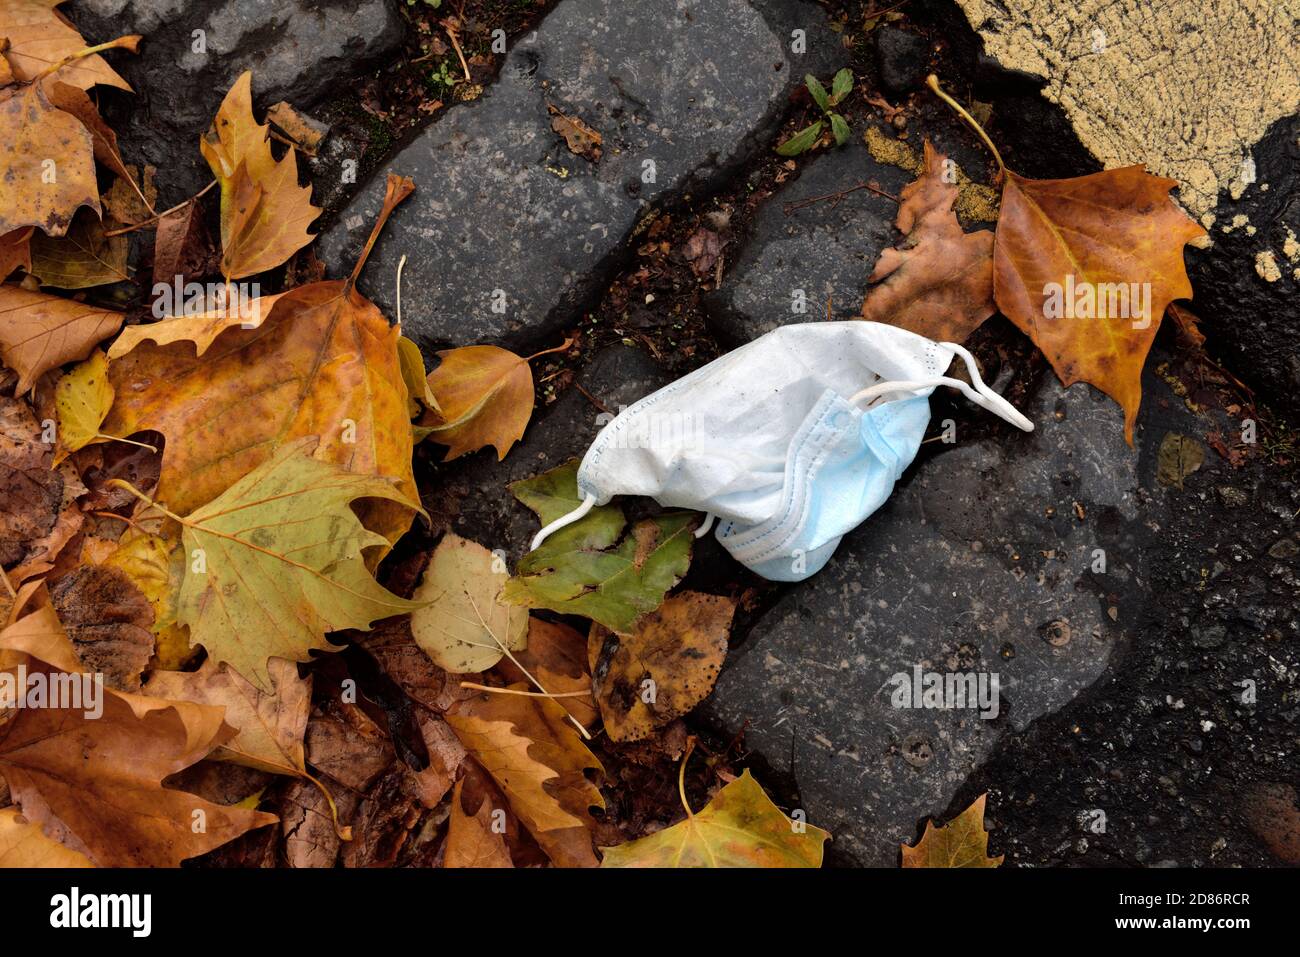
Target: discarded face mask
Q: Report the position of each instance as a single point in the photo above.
(790, 441)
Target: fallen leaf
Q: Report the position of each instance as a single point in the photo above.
(343, 742)
(30, 492)
(1086, 268)
(24, 845)
(310, 837)
(740, 827)
(939, 283)
(82, 258)
(40, 332)
(305, 132)
(82, 398)
(581, 139)
(39, 36)
(109, 621)
(15, 251)
(148, 561)
(662, 669)
(181, 246)
(1179, 456)
(556, 655)
(474, 837)
(47, 169)
(417, 382)
(536, 758)
(962, 842)
(463, 624)
(584, 568)
(269, 727)
(485, 394)
(702, 250)
(95, 783)
(1187, 324)
(264, 212)
(321, 360)
(277, 561)
(73, 100)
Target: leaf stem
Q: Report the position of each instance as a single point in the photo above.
(123, 483)
(344, 832)
(474, 685)
(130, 42)
(932, 82)
(166, 212)
(681, 776)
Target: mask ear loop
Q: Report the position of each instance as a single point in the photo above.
(981, 394)
(576, 515)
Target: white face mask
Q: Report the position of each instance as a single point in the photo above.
(791, 441)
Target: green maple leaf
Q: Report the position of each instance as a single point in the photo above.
(278, 560)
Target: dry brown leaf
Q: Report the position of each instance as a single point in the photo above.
(95, 783)
(39, 332)
(15, 251)
(962, 842)
(556, 655)
(82, 258)
(181, 246)
(39, 36)
(270, 727)
(475, 832)
(939, 283)
(264, 212)
(343, 742)
(23, 844)
(72, 99)
(47, 169)
(305, 132)
(581, 139)
(109, 621)
(30, 493)
(646, 679)
(486, 397)
(1086, 268)
(538, 761)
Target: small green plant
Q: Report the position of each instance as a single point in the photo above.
(443, 78)
(432, 3)
(809, 136)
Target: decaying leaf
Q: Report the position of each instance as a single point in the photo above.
(47, 169)
(465, 627)
(156, 567)
(939, 283)
(485, 394)
(556, 656)
(15, 251)
(305, 132)
(94, 781)
(23, 844)
(538, 761)
(584, 568)
(264, 212)
(663, 668)
(1086, 267)
(581, 139)
(740, 827)
(1179, 456)
(82, 258)
(269, 727)
(30, 492)
(181, 246)
(278, 560)
(109, 622)
(962, 842)
(39, 332)
(474, 838)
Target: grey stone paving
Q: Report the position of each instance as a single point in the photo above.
(509, 232)
(978, 563)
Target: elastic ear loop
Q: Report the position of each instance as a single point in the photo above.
(549, 530)
(981, 395)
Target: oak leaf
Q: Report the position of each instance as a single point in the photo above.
(939, 284)
(678, 648)
(40, 332)
(740, 827)
(1086, 268)
(962, 842)
(264, 212)
(464, 626)
(279, 561)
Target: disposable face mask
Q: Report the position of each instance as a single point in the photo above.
(790, 441)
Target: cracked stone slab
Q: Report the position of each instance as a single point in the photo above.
(298, 50)
(509, 232)
(979, 562)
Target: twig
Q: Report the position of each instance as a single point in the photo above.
(837, 197)
(166, 212)
(455, 44)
